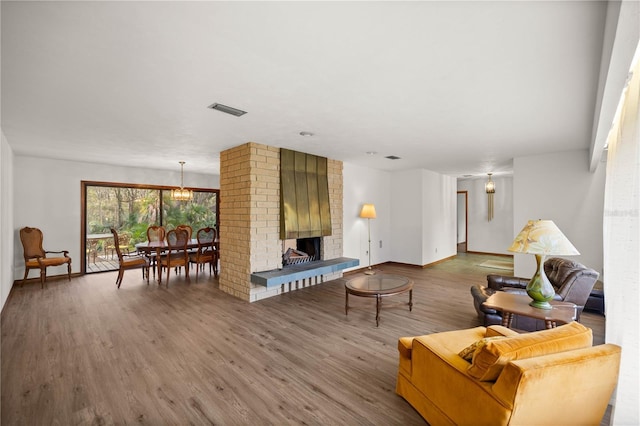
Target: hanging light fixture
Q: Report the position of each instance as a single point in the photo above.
(181, 194)
(490, 189)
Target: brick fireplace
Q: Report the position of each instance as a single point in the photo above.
(250, 220)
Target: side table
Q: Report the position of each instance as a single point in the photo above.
(518, 304)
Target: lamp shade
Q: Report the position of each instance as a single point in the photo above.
(542, 237)
(368, 211)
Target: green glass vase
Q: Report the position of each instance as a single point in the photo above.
(539, 288)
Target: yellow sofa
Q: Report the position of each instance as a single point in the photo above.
(549, 377)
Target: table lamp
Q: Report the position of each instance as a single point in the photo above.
(541, 238)
(369, 212)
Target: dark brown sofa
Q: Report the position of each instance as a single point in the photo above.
(573, 282)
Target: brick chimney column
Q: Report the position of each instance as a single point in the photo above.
(250, 218)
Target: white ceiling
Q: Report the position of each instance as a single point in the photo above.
(454, 87)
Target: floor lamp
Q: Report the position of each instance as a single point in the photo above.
(369, 212)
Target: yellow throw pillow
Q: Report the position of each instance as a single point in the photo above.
(467, 353)
(490, 359)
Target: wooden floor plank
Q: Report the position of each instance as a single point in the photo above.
(84, 352)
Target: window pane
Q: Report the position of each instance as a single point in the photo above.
(131, 210)
(197, 213)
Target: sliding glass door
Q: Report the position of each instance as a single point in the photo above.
(131, 209)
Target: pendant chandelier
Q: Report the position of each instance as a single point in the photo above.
(181, 194)
(490, 189)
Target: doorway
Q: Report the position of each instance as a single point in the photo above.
(461, 220)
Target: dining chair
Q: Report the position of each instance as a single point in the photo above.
(36, 257)
(187, 228)
(128, 261)
(154, 233)
(206, 252)
(177, 255)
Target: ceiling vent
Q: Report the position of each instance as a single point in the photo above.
(227, 109)
(392, 157)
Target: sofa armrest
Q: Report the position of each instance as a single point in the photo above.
(589, 375)
(498, 282)
(499, 330)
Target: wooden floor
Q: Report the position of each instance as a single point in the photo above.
(83, 352)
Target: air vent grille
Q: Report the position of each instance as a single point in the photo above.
(227, 109)
(392, 157)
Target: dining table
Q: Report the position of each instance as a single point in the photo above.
(159, 247)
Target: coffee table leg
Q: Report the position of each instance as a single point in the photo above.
(378, 302)
(346, 302)
(410, 299)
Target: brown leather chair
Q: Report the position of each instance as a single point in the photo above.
(36, 257)
(128, 261)
(571, 280)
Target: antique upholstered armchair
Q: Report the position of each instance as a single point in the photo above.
(36, 257)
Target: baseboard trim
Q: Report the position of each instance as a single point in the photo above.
(438, 261)
(489, 254)
(411, 265)
(50, 278)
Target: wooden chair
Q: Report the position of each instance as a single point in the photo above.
(36, 257)
(177, 255)
(154, 233)
(206, 252)
(187, 228)
(92, 250)
(124, 237)
(128, 261)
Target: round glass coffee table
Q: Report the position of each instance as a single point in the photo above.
(378, 286)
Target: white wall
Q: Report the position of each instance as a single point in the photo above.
(485, 236)
(406, 201)
(6, 219)
(561, 188)
(363, 185)
(423, 208)
(47, 196)
(416, 214)
(461, 212)
(439, 196)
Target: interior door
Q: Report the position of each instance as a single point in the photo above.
(461, 221)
